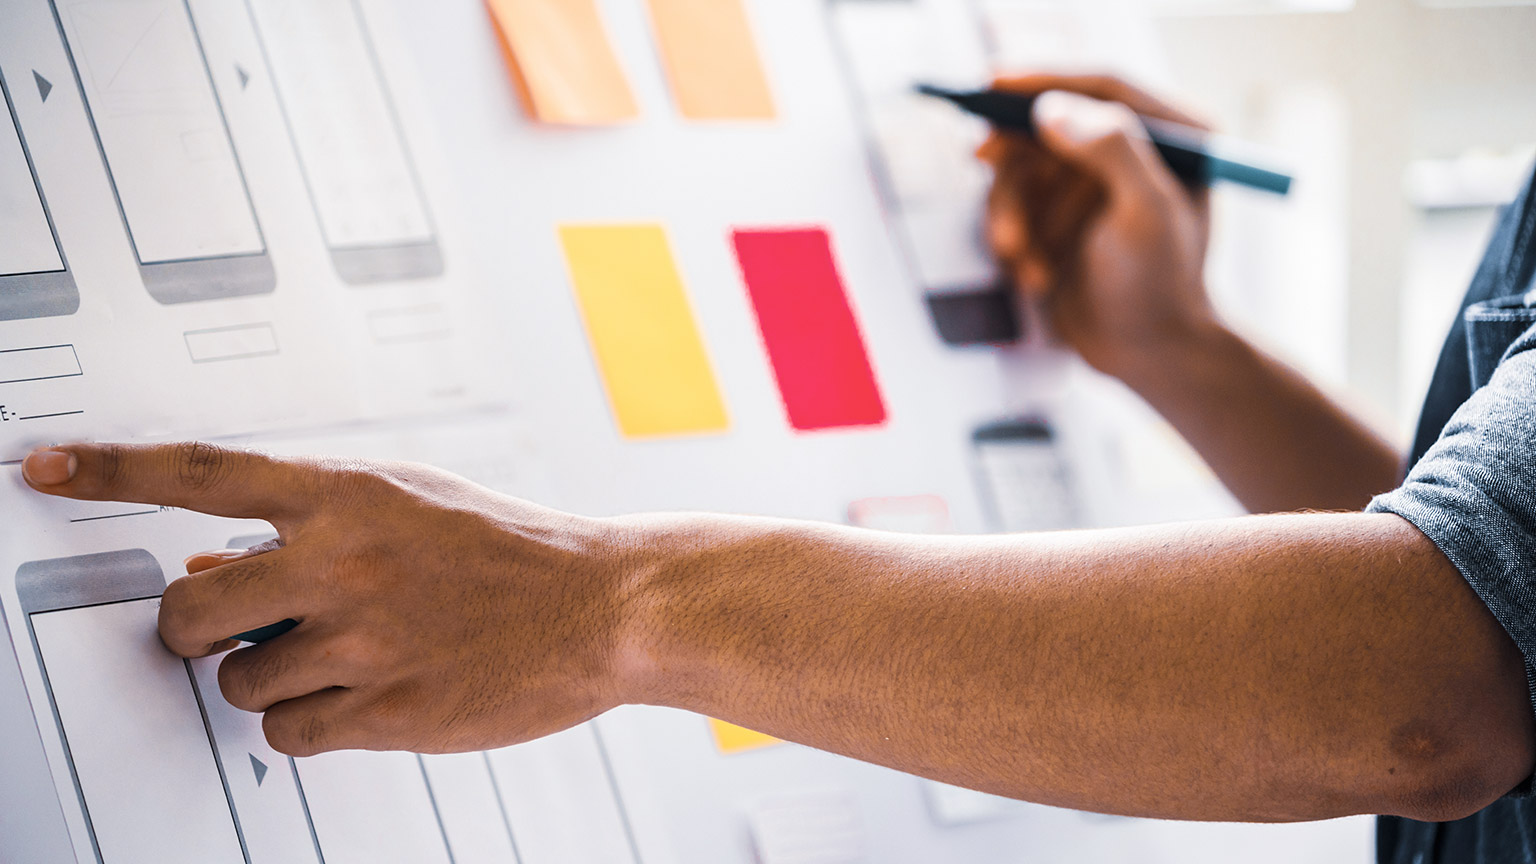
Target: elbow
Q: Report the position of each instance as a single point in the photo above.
(1445, 796)
(1450, 775)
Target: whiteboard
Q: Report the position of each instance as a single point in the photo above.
(475, 358)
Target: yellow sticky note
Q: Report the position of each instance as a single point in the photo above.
(712, 60)
(731, 738)
(563, 62)
(642, 331)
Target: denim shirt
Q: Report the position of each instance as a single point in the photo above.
(1472, 490)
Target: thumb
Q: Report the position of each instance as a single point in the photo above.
(1108, 141)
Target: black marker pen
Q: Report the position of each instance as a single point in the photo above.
(1194, 156)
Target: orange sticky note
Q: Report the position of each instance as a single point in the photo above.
(562, 61)
(732, 739)
(712, 60)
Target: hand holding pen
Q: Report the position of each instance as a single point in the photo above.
(1097, 231)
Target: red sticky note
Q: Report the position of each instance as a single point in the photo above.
(813, 340)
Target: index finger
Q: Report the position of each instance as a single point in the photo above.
(1106, 88)
(191, 475)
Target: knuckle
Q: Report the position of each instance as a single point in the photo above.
(112, 464)
(299, 729)
(178, 616)
(358, 483)
(235, 577)
(1125, 132)
(201, 466)
(312, 733)
(177, 595)
(1111, 140)
(261, 674)
(234, 683)
(282, 730)
(357, 571)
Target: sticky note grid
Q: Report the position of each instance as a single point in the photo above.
(564, 65)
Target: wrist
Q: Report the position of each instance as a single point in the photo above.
(647, 553)
(1180, 360)
(694, 616)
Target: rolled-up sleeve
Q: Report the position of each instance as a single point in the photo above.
(1474, 495)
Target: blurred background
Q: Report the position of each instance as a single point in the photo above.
(1409, 122)
(1406, 123)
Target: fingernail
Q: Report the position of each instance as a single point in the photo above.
(1072, 116)
(49, 467)
(1054, 108)
(221, 554)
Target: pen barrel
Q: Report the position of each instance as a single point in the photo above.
(1190, 153)
(1248, 174)
(1193, 167)
(1198, 159)
(1183, 149)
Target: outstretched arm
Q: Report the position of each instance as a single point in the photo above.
(1271, 668)
(1267, 668)
(1100, 235)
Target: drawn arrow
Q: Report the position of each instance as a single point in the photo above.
(259, 767)
(44, 86)
(245, 77)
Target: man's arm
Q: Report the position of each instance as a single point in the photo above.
(1268, 668)
(1277, 442)
(1100, 235)
(1276, 668)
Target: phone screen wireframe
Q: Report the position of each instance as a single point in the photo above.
(161, 130)
(145, 766)
(347, 134)
(1026, 482)
(33, 828)
(933, 190)
(35, 281)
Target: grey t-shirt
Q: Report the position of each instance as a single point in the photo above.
(1472, 491)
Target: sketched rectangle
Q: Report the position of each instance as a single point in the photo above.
(238, 342)
(409, 324)
(39, 364)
